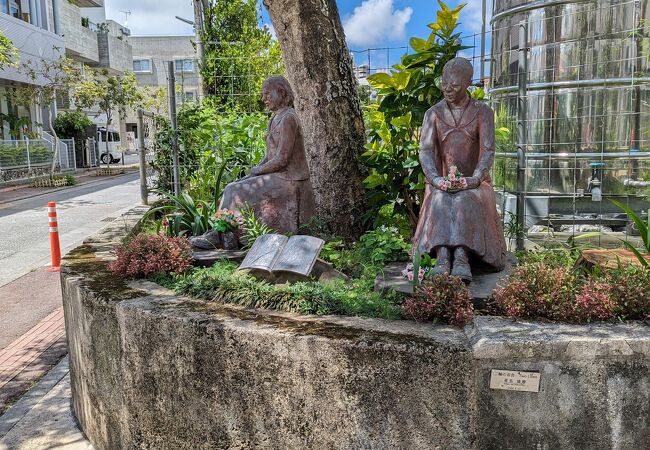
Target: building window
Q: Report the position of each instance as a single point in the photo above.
(184, 65)
(142, 65)
(4, 6)
(185, 97)
(62, 100)
(14, 9)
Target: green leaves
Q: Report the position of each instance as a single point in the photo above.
(419, 45)
(402, 121)
(404, 96)
(644, 230)
(8, 52)
(185, 215)
(398, 81)
(241, 55)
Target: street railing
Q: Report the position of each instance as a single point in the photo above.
(25, 154)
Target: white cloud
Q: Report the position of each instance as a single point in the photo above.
(152, 17)
(376, 21)
(471, 16)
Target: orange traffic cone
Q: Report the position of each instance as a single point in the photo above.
(55, 247)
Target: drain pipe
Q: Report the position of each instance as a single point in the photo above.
(635, 183)
(55, 16)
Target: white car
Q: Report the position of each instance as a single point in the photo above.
(114, 146)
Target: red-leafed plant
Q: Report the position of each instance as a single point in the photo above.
(593, 303)
(538, 290)
(442, 298)
(542, 290)
(149, 254)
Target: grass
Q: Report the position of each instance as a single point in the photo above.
(222, 283)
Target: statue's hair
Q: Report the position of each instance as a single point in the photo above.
(462, 65)
(283, 85)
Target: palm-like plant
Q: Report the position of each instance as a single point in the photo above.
(644, 230)
(187, 215)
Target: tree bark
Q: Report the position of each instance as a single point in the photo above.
(319, 68)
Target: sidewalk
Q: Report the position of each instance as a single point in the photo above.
(42, 418)
(32, 335)
(18, 192)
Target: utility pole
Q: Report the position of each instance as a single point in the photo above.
(200, 48)
(171, 87)
(484, 19)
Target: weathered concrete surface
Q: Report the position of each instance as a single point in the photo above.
(150, 370)
(42, 418)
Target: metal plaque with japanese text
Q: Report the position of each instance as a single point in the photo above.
(513, 380)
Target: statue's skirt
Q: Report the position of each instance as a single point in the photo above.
(466, 218)
(281, 204)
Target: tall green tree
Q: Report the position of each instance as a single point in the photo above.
(239, 54)
(109, 93)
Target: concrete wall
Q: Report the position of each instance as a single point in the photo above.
(34, 44)
(150, 370)
(115, 53)
(161, 49)
(80, 42)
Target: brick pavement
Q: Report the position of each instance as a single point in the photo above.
(30, 356)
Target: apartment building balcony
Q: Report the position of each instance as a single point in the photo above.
(81, 41)
(89, 3)
(115, 52)
(34, 44)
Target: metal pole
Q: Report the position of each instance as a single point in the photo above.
(29, 162)
(484, 11)
(171, 87)
(142, 153)
(522, 69)
(200, 48)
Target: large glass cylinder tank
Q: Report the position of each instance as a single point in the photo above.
(587, 102)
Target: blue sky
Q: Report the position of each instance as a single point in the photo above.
(375, 24)
(368, 23)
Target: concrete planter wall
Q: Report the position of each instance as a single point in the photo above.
(150, 370)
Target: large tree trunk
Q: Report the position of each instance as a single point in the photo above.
(319, 68)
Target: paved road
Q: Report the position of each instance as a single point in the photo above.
(82, 210)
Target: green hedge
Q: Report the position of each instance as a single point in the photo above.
(12, 155)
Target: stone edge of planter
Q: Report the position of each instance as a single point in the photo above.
(596, 376)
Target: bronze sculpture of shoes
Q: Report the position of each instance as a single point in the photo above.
(462, 268)
(209, 240)
(443, 265)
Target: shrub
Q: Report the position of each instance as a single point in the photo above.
(148, 254)
(538, 290)
(186, 216)
(629, 289)
(370, 254)
(593, 303)
(441, 298)
(542, 290)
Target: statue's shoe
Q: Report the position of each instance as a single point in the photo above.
(207, 241)
(462, 270)
(442, 267)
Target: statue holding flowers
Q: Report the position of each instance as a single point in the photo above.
(458, 220)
